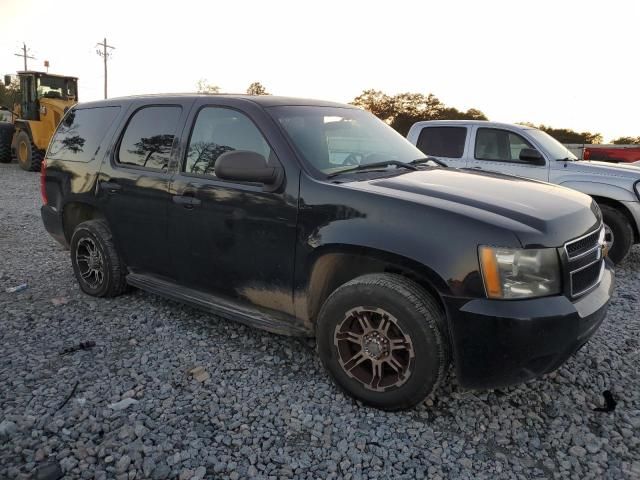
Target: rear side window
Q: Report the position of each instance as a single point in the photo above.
(80, 133)
(148, 138)
(445, 142)
(218, 130)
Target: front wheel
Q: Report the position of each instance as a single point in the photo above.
(381, 338)
(29, 156)
(618, 233)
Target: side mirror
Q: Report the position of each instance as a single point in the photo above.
(245, 166)
(531, 155)
(7, 80)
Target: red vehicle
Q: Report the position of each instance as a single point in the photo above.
(612, 153)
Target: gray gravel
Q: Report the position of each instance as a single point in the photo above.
(261, 405)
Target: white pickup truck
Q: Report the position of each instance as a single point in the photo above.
(532, 153)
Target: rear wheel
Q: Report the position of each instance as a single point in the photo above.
(618, 233)
(6, 134)
(29, 156)
(380, 336)
(97, 265)
(5, 152)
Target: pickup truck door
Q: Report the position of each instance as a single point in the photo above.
(235, 240)
(445, 142)
(498, 149)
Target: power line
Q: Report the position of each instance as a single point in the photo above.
(25, 54)
(104, 53)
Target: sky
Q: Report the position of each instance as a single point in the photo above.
(565, 63)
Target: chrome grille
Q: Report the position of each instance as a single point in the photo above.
(585, 261)
(583, 244)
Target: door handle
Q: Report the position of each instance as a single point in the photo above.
(187, 201)
(111, 187)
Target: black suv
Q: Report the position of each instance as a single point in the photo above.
(312, 218)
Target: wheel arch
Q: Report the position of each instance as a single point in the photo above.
(334, 265)
(74, 213)
(623, 209)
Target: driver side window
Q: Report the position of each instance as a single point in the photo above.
(499, 145)
(218, 130)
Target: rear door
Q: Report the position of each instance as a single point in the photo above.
(498, 149)
(234, 239)
(445, 142)
(133, 188)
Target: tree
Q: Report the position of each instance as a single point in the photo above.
(158, 146)
(256, 88)
(566, 135)
(627, 141)
(404, 109)
(204, 86)
(9, 94)
(377, 102)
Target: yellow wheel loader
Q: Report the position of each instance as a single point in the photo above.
(44, 99)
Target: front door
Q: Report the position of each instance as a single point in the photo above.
(232, 239)
(498, 150)
(133, 189)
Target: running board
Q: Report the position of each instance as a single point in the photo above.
(269, 320)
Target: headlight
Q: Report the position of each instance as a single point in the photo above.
(636, 187)
(519, 273)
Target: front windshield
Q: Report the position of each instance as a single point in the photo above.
(333, 139)
(551, 145)
(56, 87)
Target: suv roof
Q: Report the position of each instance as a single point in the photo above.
(263, 100)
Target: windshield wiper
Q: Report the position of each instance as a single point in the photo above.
(373, 166)
(419, 161)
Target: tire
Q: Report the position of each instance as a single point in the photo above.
(416, 320)
(95, 235)
(5, 153)
(619, 225)
(29, 156)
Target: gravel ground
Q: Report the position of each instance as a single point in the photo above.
(260, 405)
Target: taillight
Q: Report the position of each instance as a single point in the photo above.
(43, 174)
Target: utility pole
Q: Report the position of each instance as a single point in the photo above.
(104, 53)
(25, 55)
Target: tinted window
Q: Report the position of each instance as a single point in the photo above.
(219, 130)
(501, 145)
(442, 141)
(80, 133)
(336, 139)
(149, 136)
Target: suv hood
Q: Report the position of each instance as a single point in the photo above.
(538, 213)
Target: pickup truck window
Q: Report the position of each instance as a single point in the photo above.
(148, 138)
(551, 145)
(80, 133)
(445, 142)
(332, 139)
(499, 145)
(218, 130)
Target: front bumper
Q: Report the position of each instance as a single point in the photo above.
(503, 342)
(52, 221)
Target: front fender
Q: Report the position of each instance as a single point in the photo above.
(598, 189)
(441, 241)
